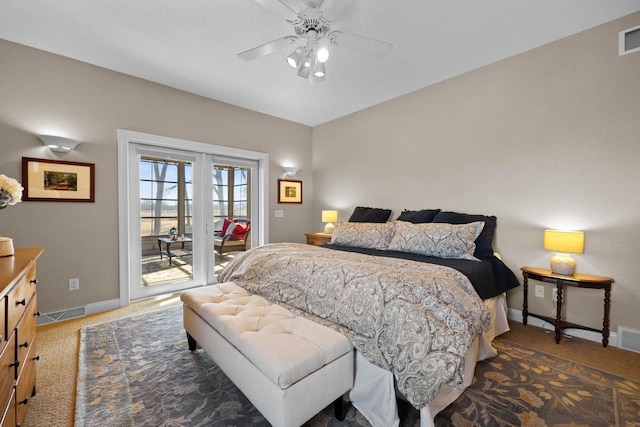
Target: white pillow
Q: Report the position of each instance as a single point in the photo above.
(372, 235)
(230, 228)
(442, 240)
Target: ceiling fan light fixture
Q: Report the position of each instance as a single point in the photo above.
(305, 66)
(313, 31)
(318, 69)
(294, 59)
(323, 54)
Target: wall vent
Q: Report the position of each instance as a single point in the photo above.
(628, 339)
(629, 41)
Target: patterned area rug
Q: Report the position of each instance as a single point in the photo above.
(138, 372)
(525, 387)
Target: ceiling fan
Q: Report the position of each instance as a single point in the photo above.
(313, 32)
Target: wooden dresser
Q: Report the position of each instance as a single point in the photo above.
(18, 315)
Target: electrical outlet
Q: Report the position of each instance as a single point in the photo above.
(539, 291)
(554, 295)
(74, 284)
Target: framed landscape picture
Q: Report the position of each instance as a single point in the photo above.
(289, 191)
(59, 181)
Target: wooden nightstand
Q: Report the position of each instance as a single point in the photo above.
(576, 280)
(318, 238)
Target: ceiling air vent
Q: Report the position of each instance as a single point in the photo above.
(630, 40)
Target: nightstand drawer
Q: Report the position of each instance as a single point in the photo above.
(318, 238)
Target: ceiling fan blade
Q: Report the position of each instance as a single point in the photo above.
(267, 48)
(360, 43)
(281, 8)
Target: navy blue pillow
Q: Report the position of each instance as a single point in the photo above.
(363, 214)
(483, 242)
(418, 217)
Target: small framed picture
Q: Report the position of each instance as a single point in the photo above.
(49, 180)
(289, 191)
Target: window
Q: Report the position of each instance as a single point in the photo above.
(166, 191)
(230, 194)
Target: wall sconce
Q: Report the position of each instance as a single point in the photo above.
(290, 170)
(329, 217)
(563, 242)
(59, 143)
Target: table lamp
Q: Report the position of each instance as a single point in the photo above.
(329, 217)
(563, 242)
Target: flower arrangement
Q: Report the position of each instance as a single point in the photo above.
(10, 191)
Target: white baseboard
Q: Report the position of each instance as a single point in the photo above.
(516, 316)
(98, 307)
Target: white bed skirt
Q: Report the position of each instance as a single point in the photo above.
(374, 394)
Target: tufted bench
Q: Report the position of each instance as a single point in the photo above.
(289, 367)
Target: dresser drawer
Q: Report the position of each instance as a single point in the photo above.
(26, 387)
(3, 321)
(7, 370)
(19, 296)
(26, 333)
(9, 414)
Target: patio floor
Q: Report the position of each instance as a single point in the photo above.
(156, 270)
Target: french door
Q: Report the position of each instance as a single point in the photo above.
(167, 222)
(174, 196)
(233, 200)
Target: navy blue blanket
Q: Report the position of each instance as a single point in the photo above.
(490, 277)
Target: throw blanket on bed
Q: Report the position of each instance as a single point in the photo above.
(414, 319)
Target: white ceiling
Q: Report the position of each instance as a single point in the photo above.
(193, 44)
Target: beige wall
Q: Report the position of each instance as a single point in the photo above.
(46, 93)
(549, 138)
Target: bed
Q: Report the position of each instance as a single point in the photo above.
(421, 303)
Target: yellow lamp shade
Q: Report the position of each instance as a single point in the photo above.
(329, 216)
(564, 241)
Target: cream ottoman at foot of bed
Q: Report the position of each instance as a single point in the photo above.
(289, 367)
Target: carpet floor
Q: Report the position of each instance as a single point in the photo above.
(138, 371)
(58, 345)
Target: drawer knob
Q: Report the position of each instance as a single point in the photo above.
(21, 302)
(34, 281)
(37, 314)
(36, 358)
(15, 364)
(23, 401)
(25, 344)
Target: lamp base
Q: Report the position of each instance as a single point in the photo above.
(6, 246)
(329, 228)
(563, 264)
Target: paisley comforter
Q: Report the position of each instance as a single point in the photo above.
(414, 319)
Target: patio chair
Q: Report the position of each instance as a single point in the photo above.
(234, 238)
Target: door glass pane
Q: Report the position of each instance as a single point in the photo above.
(230, 202)
(166, 221)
